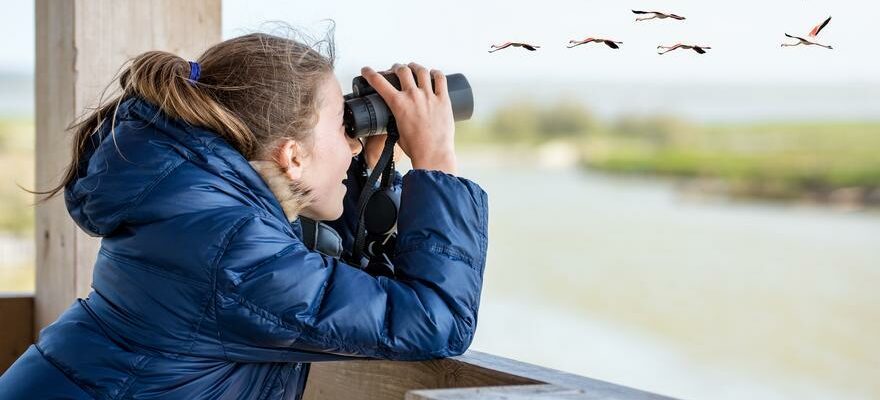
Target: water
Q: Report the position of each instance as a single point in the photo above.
(702, 102)
(629, 281)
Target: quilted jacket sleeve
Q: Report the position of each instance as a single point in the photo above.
(274, 293)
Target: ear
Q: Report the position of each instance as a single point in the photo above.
(292, 158)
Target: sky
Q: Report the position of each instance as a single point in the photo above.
(454, 36)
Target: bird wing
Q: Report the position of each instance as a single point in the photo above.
(699, 49)
(818, 28)
(679, 17)
(611, 44)
(529, 47)
(641, 12)
(668, 49)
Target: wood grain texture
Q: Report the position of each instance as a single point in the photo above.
(379, 379)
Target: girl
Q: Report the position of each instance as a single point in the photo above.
(195, 178)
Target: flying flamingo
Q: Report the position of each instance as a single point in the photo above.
(698, 49)
(608, 42)
(656, 14)
(812, 35)
(505, 45)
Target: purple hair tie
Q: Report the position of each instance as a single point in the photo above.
(194, 71)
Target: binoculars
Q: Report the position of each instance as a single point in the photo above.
(366, 113)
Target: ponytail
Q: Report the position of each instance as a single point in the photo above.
(251, 90)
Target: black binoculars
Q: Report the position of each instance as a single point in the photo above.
(366, 113)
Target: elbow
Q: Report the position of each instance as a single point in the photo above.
(458, 345)
(450, 342)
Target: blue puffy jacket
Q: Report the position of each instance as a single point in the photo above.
(204, 290)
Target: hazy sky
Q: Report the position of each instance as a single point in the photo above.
(455, 36)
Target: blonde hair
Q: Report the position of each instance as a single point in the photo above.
(253, 90)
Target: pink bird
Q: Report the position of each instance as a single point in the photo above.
(610, 43)
(656, 14)
(505, 45)
(698, 49)
(812, 35)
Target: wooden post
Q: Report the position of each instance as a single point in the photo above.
(80, 46)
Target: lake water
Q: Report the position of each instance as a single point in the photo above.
(630, 281)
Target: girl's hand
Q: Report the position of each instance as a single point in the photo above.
(373, 146)
(423, 115)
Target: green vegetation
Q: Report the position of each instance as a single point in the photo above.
(783, 160)
(16, 168)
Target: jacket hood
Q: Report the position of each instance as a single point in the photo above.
(180, 168)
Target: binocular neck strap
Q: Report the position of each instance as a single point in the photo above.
(383, 166)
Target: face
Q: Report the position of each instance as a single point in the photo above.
(323, 164)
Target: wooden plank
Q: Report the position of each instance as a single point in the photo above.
(520, 392)
(590, 386)
(16, 326)
(81, 45)
(379, 379)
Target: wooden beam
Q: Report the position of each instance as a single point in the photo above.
(520, 392)
(80, 46)
(16, 326)
(380, 380)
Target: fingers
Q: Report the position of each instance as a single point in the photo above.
(424, 77)
(407, 80)
(405, 75)
(378, 82)
(440, 88)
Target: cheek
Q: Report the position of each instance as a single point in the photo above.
(334, 159)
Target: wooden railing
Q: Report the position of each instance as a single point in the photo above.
(474, 375)
(16, 326)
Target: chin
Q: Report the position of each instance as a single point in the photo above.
(335, 215)
(331, 214)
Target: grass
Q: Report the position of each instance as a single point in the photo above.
(780, 160)
(16, 168)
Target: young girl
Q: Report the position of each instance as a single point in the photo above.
(195, 177)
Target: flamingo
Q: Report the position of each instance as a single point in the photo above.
(812, 35)
(656, 14)
(608, 42)
(698, 49)
(505, 45)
